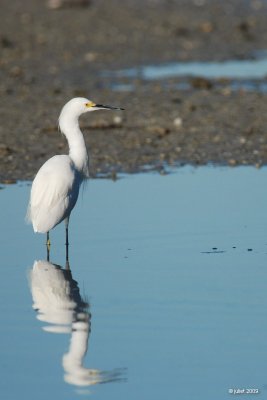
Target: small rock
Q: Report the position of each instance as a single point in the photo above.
(4, 150)
(117, 120)
(56, 90)
(201, 83)
(192, 107)
(244, 26)
(178, 122)
(177, 100)
(40, 39)
(181, 31)
(16, 72)
(216, 139)
(57, 4)
(232, 162)
(6, 43)
(226, 91)
(206, 27)
(90, 56)
(8, 181)
(158, 130)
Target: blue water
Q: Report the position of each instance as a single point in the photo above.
(166, 295)
(232, 69)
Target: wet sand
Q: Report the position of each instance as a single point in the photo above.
(49, 56)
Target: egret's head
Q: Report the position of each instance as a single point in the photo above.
(81, 105)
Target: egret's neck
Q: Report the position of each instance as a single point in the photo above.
(69, 126)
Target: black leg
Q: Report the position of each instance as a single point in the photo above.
(67, 239)
(48, 244)
(47, 239)
(67, 253)
(48, 253)
(67, 235)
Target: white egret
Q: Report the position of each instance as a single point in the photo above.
(55, 188)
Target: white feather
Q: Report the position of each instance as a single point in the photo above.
(54, 193)
(55, 188)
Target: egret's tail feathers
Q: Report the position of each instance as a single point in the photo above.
(28, 216)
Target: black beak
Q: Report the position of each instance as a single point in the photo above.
(102, 107)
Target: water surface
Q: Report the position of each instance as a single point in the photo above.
(231, 69)
(165, 295)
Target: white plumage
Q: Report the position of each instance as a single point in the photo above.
(55, 188)
(54, 193)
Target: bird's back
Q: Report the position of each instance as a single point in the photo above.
(54, 193)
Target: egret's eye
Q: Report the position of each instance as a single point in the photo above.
(89, 104)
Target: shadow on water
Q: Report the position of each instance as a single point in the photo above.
(58, 302)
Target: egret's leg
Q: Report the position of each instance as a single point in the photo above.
(67, 231)
(67, 239)
(48, 253)
(67, 266)
(48, 243)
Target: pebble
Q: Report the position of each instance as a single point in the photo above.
(232, 162)
(159, 130)
(90, 57)
(8, 181)
(4, 150)
(117, 120)
(201, 83)
(5, 42)
(16, 71)
(206, 27)
(178, 122)
(57, 4)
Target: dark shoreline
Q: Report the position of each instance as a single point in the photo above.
(50, 56)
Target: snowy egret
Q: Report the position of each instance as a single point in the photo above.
(55, 188)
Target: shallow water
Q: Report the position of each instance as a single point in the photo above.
(247, 75)
(166, 295)
(231, 69)
(235, 85)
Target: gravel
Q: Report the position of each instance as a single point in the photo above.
(50, 56)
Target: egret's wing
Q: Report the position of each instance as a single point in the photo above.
(53, 191)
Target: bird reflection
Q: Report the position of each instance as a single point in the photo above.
(57, 300)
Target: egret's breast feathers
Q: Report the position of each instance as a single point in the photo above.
(54, 190)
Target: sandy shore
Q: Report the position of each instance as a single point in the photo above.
(49, 56)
